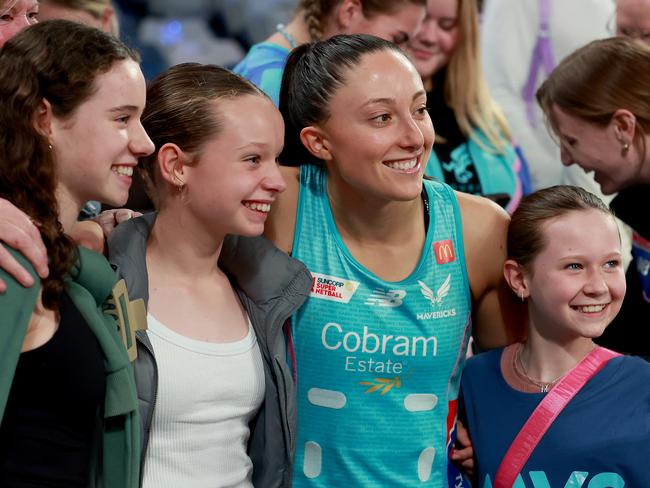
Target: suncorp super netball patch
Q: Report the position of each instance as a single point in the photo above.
(333, 288)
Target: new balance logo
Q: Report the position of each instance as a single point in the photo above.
(437, 297)
(387, 298)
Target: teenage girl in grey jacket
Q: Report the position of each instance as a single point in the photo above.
(216, 394)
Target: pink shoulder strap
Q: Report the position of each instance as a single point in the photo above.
(546, 412)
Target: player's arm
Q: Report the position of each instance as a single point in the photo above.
(497, 318)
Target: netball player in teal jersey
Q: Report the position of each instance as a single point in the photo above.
(403, 269)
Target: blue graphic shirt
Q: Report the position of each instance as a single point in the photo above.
(378, 363)
(263, 66)
(600, 440)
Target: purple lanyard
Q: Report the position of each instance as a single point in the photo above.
(542, 56)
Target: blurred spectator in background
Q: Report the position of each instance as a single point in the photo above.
(95, 13)
(473, 152)
(396, 21)
(607, 131)
(633, 19)
(521, 42)
(15, 15)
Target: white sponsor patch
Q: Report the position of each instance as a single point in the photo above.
(326, 398)
(420, 402)
(333, 288)
(313, 462)
(425, 463)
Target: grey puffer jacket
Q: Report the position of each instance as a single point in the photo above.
(271, 287)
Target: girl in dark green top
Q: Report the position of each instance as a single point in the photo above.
(69, 132)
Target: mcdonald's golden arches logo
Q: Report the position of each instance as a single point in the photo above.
(444, 251)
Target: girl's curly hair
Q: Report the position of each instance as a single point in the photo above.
(56, 61)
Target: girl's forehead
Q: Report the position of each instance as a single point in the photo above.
(580, 230)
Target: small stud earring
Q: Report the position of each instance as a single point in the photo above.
(521, 295)
(626, 147)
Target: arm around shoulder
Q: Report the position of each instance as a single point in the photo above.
(17, 231)
(497, 318)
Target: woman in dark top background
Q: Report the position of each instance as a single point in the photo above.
(473, 152)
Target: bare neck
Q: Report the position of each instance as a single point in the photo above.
(368, 220)
(68, 209)
(181, 246)
(546, 359)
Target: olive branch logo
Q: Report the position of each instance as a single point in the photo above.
(383, 384)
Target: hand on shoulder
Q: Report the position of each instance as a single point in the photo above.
(19, 232)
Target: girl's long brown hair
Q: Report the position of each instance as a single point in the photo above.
(55, 61)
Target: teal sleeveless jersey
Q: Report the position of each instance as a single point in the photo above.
(378, 363)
